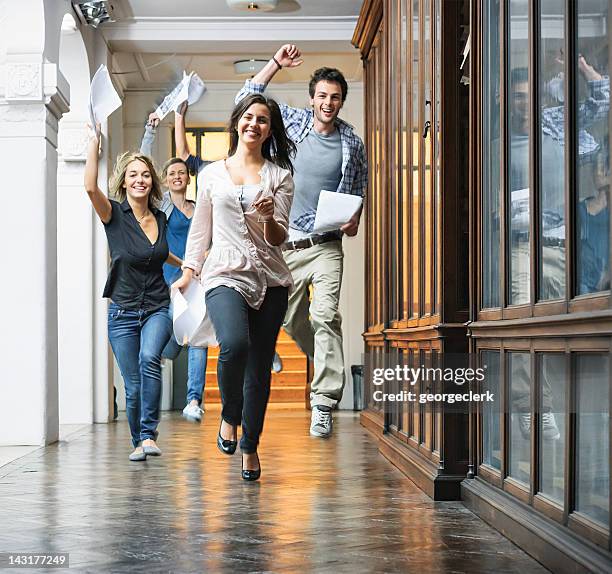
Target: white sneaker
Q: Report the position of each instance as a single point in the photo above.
(277, 364)
(525, 424)
(550, 430)
(193, 413)
(321, 421)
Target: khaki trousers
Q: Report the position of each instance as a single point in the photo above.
(316, 325)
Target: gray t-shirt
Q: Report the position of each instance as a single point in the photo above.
(317, 166)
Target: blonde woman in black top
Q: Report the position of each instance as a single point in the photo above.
(139, 324)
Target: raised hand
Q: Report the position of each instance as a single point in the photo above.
(288, 56)
(153, 120)
(589, 73)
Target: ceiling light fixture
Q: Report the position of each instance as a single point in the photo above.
(253, 6)
(248, 67)
(94, 12)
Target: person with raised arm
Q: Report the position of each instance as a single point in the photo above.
(179, 213)
(330, 156)
(139, 324)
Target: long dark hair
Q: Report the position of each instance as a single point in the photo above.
(278, 148)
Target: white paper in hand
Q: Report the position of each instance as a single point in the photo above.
(190, 322)
(103, 98)
(334, 210)
(175, 98)
(194, 92)
(189, 89)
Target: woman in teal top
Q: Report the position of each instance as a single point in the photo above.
(179, 211)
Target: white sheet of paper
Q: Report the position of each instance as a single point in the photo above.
(188, 310)
(334, 210)
(103, 98)
(176, 97)
(194, 92)
(190, 88)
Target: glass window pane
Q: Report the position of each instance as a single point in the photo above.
(491, 160)
(552, 174)
(593, 437)
(518, 150)
(552, 381)
(592, 108)
(436, 140)
(519, 370)
(215, 145)
(491, 413)
(405, 75)
(416, 222)
(427, 174)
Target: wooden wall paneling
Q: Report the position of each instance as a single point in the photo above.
(367, 26)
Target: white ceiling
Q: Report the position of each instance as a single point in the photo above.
(207, 36)
(219, 8)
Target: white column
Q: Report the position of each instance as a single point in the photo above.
(32, 100)
(102, 354)
(74, 276)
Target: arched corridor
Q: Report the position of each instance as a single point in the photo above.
(484, 238)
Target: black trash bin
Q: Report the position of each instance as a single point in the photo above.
(357, 374)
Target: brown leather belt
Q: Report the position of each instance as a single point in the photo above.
(311, 241)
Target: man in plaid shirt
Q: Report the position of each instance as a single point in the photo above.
(329, 156)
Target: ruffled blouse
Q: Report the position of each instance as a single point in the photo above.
(226, 244)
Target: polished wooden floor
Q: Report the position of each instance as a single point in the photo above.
(321, 506)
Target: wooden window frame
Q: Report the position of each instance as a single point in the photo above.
(564, 514)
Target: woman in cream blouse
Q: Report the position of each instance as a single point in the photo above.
(242, 215)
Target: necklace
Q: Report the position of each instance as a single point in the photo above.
(139, 219)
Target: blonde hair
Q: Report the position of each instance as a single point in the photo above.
(117, 180)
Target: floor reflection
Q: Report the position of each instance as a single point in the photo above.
(321, 506)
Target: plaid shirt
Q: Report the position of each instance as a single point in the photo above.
(299, 122)
(593, 109)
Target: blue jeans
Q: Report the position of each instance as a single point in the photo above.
(196, 367)
(137, 339)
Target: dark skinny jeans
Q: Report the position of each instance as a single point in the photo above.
(247, 339)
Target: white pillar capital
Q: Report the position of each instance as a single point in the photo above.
(73, 140)
(25, 85)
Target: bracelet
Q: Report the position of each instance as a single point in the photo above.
(276, 62)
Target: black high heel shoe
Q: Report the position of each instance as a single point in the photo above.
(226, 446)
(251, 474)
